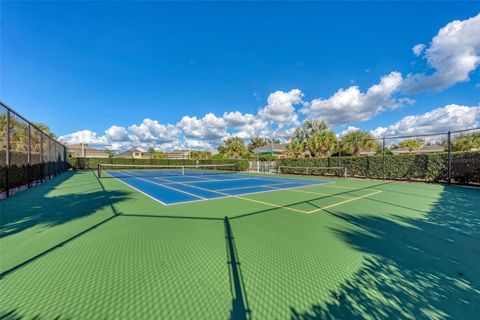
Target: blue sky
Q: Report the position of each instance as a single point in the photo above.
(94, 71)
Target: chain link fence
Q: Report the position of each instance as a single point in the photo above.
(451, 157)
(28, 156)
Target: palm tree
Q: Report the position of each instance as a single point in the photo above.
(466, 142)
(257, 142)
(322, 143)
(357, 141)
(316, 137)
(18, 135)
(328, 142)
(299, 136)
(200, 155)
(3, 130)
(44, 128)
(234, 148)
(294, 149)
(311, 127)
(411, 144)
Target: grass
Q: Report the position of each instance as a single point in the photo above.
(81, 248)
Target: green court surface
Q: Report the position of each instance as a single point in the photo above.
(78, 247)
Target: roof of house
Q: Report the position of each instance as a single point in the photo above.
(79, 146)
(271, 148)
(85, 151)
(370, 152)
(132, 150)
(424, 149)
(433, 148)
(178, 152)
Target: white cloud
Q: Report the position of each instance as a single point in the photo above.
(153, 131)
(116, 133)
(453, 53)
(418, 49)
(237, 119)
(348, 130)
(280, 107)
(122, 145)
(283, 134)
(351, 104)
(195, 144)
(245, 126)
(169, 146)
(449, 118)
(83, 136)
(210, 127)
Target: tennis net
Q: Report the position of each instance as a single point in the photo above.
(340, 172)
(131, 171)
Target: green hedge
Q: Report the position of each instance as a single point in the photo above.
(466, 167)
(242, 164)
(21, 174)
(422, 167)
(92, 163)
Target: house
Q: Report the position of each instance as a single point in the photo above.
(134, 153)
(432, 148)
(275, 149)
(83, 150)
(178, 154)
(424, 149)
(368, 153)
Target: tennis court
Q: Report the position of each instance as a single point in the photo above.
(181, 184)
(201, 243)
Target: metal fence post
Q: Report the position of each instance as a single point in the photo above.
(49, 160)
(42, 162)
(29, 157)
(339, 152)
(65, 159)
(383, 158)
(449, 141)
(7, 156)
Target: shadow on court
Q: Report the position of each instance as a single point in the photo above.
(416, 269)
(309, 201)
(48, 206)
(240, 309)
(14, 315)
(38, 206)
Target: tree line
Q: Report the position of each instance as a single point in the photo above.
(19, 136)
(315, 138)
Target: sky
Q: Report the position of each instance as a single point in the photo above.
(187, 75)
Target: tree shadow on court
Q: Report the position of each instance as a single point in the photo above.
(309, 201)
(37, 207)
(14, 315)
(240, 309)
(414, 268)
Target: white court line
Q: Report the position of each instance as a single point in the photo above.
(195, 187)
(322, 194)
(151, 197)
(219, 191)
(153, 182)
(197, 177)
(226, 195)
(210, 180)
(273, 205)
(308, 182)
(248, 193)
(259, 186)
(346, 201)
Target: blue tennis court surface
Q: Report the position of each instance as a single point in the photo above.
(177, 189)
